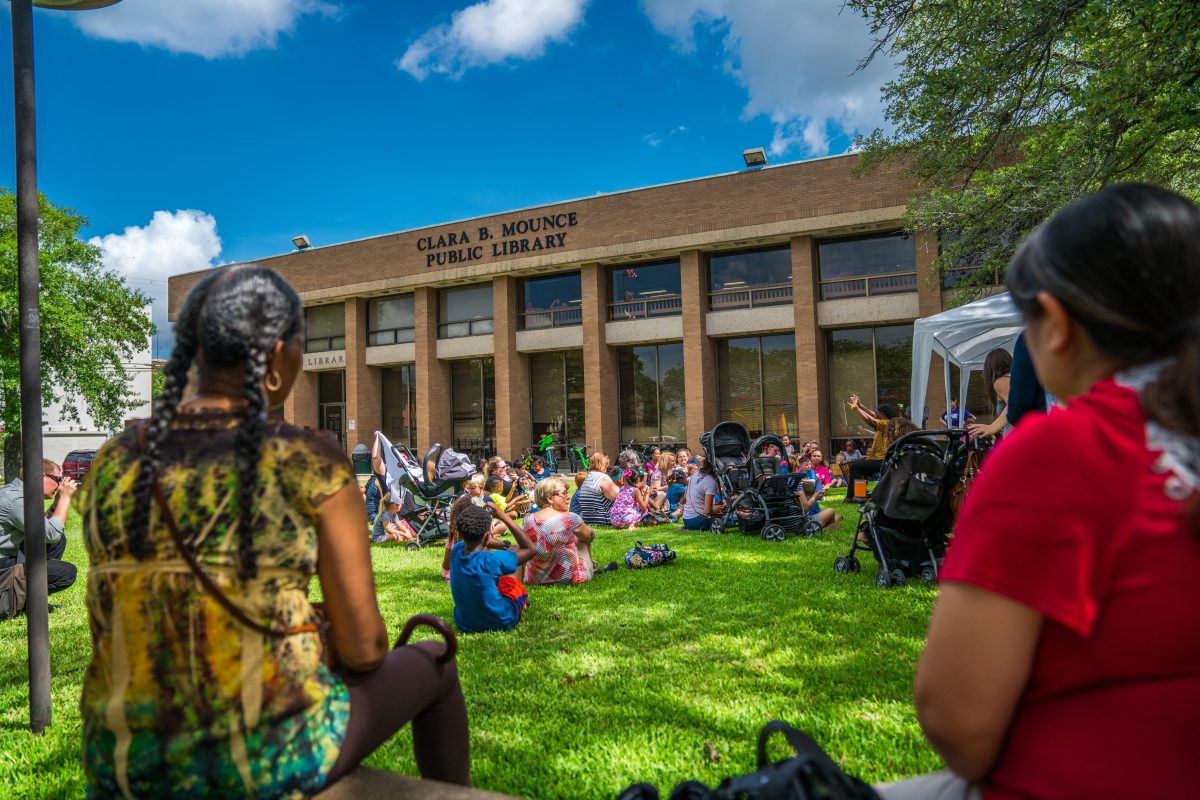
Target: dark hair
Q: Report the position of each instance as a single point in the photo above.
(232, 317)
(472, 523)
(887, 411)
(1124, 263)
(493, 484)
(997, 364)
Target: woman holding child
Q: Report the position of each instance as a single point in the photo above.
(594, 498)
(1064, 633)
(207, 677)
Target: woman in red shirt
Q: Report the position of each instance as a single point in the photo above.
(1063, 658)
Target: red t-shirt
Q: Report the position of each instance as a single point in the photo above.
(1112, 708)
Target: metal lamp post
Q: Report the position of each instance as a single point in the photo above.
(36, 608)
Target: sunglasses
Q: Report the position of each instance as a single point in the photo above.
(55, 478)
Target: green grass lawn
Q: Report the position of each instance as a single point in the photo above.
(625, 679)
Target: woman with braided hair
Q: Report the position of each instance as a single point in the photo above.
(204, 528)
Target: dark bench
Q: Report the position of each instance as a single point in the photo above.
(365, 783)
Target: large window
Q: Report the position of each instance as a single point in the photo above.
(473, 406)
(646, 290)
(391, 320)
(552, 302)
(867, 265)
(331, 404)
(750, 279)
(465, 312)
(873, 363)
(400, 404)
(325, 328)
(756, 383)
(556, 397)
(652, 393)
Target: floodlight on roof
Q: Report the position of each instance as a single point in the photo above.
(302, 242)
(755, 157)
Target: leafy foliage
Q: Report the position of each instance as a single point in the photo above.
(1006, 110)
(92, 322)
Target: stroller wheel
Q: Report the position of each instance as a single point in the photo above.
(413, 546)
(898, 578)
(842, 564)
(928, 575)
(883, 578)
(773, 532)
(813, 529)
(853, 564)
(718, 526)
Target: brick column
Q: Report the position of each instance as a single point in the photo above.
(929, 302)
(599, 364)
(432, 375)
(512, 371)
(364, 392)
(811, 366)
(300, 406)
(702, 407)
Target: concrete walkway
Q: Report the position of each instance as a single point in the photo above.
(365, 783)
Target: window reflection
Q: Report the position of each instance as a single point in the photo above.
(552, 302)
(749, 279)
(652, 393)
(646, 290)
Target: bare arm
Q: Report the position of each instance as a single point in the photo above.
(585, 534)
(976, 663)
(608, 488)
(525, 548)
(348, 583)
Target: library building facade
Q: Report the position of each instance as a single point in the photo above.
(765, 296)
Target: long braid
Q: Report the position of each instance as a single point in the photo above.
(183, 354)
(249, 451)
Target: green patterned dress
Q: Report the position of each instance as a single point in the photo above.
(180, 699)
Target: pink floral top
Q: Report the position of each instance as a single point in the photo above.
(557, 560)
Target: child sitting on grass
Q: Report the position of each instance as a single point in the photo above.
(632, 503)
(390, 526)
(487, 594)
(810, 498)
(472, 495)
(676, 489)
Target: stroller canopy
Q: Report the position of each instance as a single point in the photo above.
(727, 443)
(963, 337)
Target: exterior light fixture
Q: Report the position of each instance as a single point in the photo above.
(302, 242)
(755, 157)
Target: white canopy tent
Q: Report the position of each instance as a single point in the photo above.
(963, 337)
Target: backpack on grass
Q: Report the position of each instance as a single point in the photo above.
(12, 591)
(810, 774)
(643, 556)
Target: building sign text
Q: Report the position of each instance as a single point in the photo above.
(530, 235)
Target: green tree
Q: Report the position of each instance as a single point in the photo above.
(1006, 110)
(92, 325)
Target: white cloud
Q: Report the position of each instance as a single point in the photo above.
(654, 139)
(796, 61)
(183, 241)
(490, 32)
(208, 28)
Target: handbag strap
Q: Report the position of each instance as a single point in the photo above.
(205, 581)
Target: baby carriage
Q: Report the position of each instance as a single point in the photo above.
(906, 522)
(759, 495)
(437, 480)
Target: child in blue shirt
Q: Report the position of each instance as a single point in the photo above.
(487, 594)
(676, 489)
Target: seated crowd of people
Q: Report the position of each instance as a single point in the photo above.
(1057, 661)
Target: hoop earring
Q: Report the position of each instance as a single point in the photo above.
(273, 381)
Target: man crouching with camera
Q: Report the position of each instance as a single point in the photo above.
(59, 574)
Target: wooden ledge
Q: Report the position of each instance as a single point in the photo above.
(365, 783)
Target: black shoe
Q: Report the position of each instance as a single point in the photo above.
(609, 567)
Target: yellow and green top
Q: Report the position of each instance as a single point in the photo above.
(179, 696)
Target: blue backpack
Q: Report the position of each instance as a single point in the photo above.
(644, 556)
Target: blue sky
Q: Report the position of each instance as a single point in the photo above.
(190, 134)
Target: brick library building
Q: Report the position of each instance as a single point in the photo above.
(765, 296)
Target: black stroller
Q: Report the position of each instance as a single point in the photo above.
(437, 480)
(759, 497)
(907, 520)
